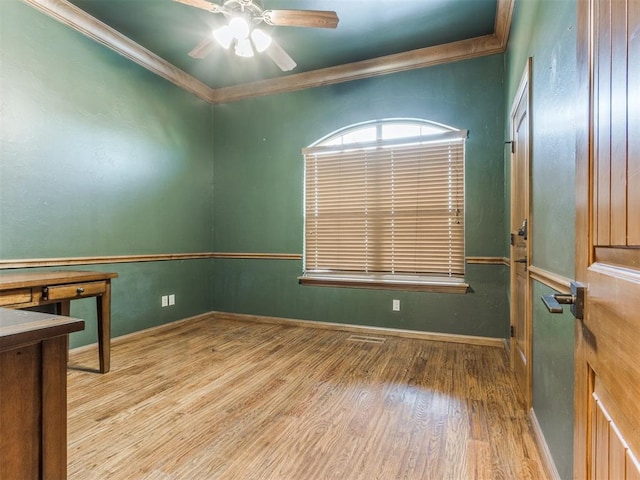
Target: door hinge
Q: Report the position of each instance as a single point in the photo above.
(512, 331)
(513, 145)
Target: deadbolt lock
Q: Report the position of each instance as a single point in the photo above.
(522, 231)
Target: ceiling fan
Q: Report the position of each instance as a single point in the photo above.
(241, 31)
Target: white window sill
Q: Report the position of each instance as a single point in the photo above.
(386, 282)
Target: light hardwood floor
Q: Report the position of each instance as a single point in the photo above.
(221, 399)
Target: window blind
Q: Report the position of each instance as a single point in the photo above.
(386, 209)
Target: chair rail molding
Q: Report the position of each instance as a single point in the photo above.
(162, 257)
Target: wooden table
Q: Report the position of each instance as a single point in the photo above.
(33, 393)
(22, 290)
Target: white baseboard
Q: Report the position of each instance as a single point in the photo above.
(545, 453)
(439, 337)
(137, 332)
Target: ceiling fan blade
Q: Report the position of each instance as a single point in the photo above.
(300, 18)
(203, 5)
(203, 48)
(280, 57)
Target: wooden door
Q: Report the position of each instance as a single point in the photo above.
(607, 395)
(520, 239)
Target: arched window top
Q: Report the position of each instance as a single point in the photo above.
(384, 205)
(392, 129)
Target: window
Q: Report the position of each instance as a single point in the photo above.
(384, 207)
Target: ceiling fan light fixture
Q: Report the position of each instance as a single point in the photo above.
(261, 40)
(239, 28)
(244, 15)
(223, 36)
(243, 48)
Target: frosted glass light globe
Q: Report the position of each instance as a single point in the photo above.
(239, 28)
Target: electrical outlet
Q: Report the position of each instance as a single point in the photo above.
(396, 305)
(165, 300)
(172, 299)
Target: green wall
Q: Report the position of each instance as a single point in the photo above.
(258, 197)
(553, 379)
(546, 31)
(100, 157)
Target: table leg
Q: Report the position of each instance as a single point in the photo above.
(104, 328)
(64, 308)
(54, 408)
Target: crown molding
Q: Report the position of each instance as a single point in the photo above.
(414, 59)
(79, 20)
(504, 13)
